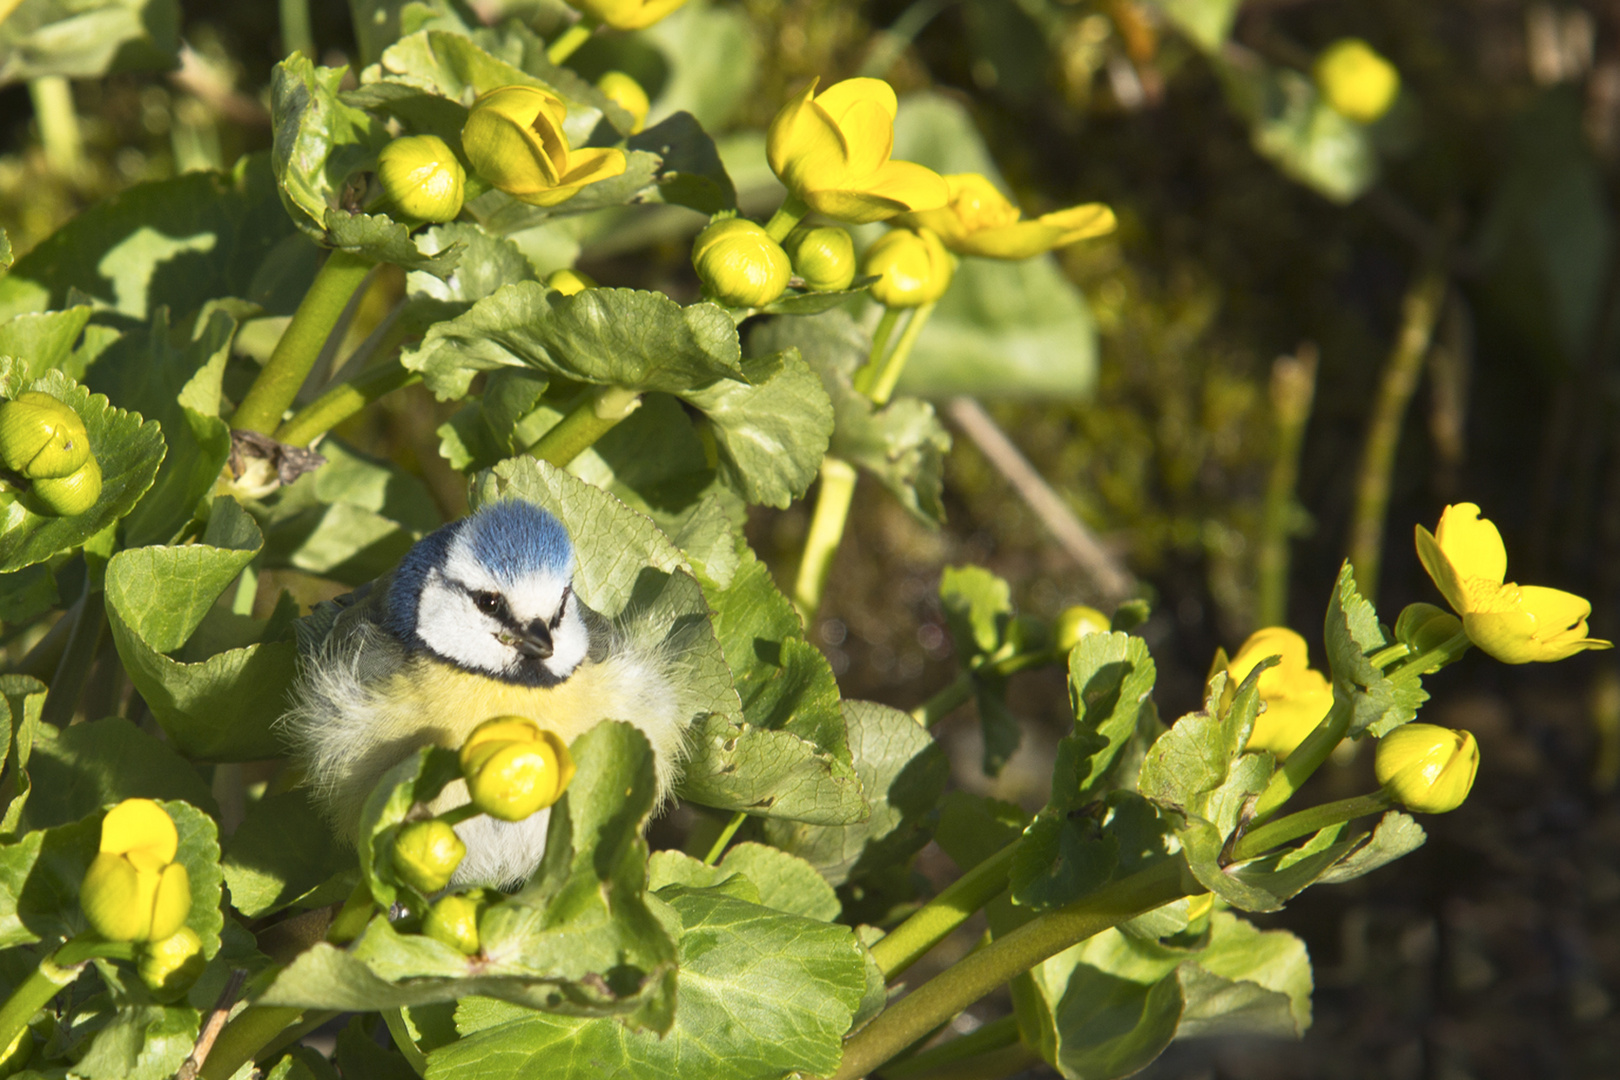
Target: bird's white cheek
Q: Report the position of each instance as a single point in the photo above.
(569, 645)
(448, 623)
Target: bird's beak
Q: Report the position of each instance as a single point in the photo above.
(533, 642)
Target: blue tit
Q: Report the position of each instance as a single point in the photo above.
(479, 619)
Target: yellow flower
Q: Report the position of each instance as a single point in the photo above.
(134, 890)
(426, 855)
(1355, 81)
(1296, 696)
(570, 282)
(832, 150)
(422, 178)
(1427, 768)
(979, 220)
(739, 263)
(912, 266)
(626, 93)
(1516, 624)
(626, 14)
(514, 139)
(513, 767)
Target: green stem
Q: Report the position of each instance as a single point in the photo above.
(1420, 311)
(402, 1039)
(296, 34)
(718, 848)
(300, 345)
(788, 215)
(586, 422)
(826, 533)
(247, 1036)
(959, 692)
(43, 983)
(888, 373)
(1308, 823)
(1305, 759)
(355, 915)
(981, 972)
(982, 1052)
(880, 344)
(1293, 386)
(931, 923)
(571, 39)
(1447, 652)
(343, 401)
(58, 123)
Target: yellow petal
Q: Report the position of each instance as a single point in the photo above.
(856, 207)
(1471, 543)
(1081, 222)
(979, 203)
(140, 825)
(783, 139)
(840, 97)
(1278, 641)
(868, 137)
(171, 902)
(508, 155)
(1543, 626)
(943, 222)
(1441, 571)
(816, 157)
(1024, 240)
(589, 166)
(1285, 722)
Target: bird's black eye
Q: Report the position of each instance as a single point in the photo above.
(487, 602)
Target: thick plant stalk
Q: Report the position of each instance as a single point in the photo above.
(343, 401)
(1293, 388)
(588, 421)
(58, 123)
(1309, 822)
(991, 1051)
(976, 975)
(789, 214)
(300, 345)
(245, 1037)
(569, 41)
(1420, 310)
(931, 923)
(296, 34)
(826, 533)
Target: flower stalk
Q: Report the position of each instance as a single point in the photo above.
(931, 923)
(594, 416)
(981, 972)
(300, 346)
(343, 401)
(1308, 823)
(569, 41)
(833, 499)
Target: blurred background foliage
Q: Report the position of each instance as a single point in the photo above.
(1267, 247)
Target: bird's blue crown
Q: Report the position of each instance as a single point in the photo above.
(511, 539)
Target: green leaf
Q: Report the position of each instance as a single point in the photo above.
(902, 772)
(381, 239)
(772, 430)
(162, 593)
(618, 337)
(127, 450)
(1352, 632)
(498, 423)
(690, 172)
(90, 765)
(788, 756)
(320, 142)
(785, 882)
(763, 993)
(1396, 835)
(1295, 127)
(282, 851)
(1243, 957)
(177, 243)
(1263, 884)
(416, 780)
(1110, 678)
(27, 594)
(44, 340)
(86, 39)
(1189, 767)
(143, 1042)
(713, 59)
(25, 700)
(978, 608)
(1207, 22)
(359, 1057)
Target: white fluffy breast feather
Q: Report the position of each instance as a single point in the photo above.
(350, 730)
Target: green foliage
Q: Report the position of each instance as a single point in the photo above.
(87, 40)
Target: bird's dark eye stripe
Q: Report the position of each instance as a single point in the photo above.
(556, 620)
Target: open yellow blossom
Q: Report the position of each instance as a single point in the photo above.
(514, 139)
(1296, 696)
(1517, 624)
(979, 220)
(832, 151)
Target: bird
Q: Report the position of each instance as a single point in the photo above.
(479, 619)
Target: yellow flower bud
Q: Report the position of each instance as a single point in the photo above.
(832, 151)
(134, 890)
(824, 257)
(1427, 768)
(739, 264)
(454, 920)
(71, 495)
(169, 967)
(980, 220)
(1075, 623)
(626, 93)
(41, 437)
(626, 14)
(513, 767)
(514, 139)
(422, 178)
(1355, 81)
(1296, 695)
(569, 282)
(426, 854)
(1517, 624)
(913, 266)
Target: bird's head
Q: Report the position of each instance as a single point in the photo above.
(494, 593)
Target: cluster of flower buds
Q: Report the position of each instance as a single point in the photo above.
(514, 767)
(44, 440)
(135, 890)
